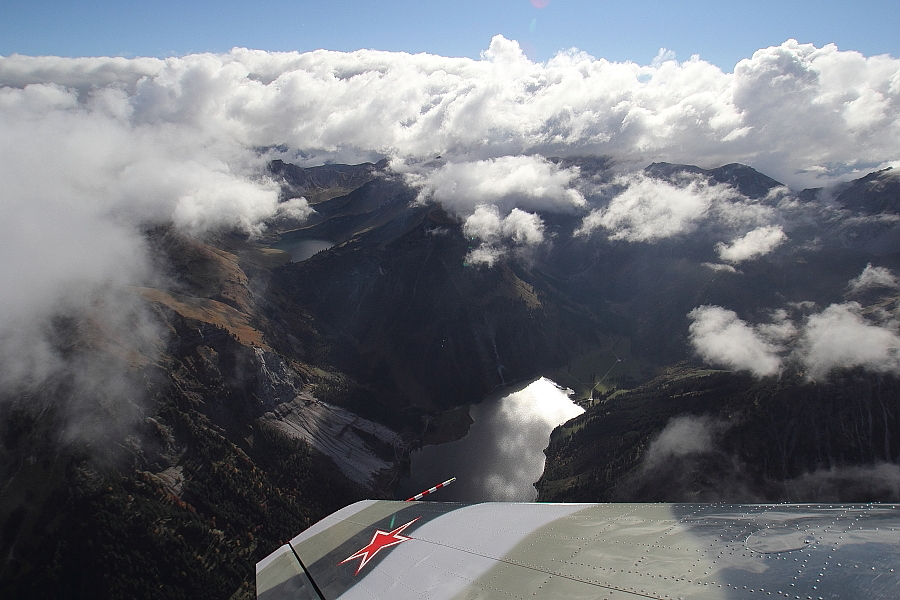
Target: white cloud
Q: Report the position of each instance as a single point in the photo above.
(820, 102)
(295, 208)
(721, 338)
(780, 330)
(794, 111)
(499, 234)
(518, 226)
(682, 436)
(491, 194)
(873, 278)
(839, 337)
(93, 149)
(527, 182)
(523, 228)
(719, 267)
(84, 173)
(664, 55)
(484, 223)
(649, 209)
(484, 255)
(756, 243)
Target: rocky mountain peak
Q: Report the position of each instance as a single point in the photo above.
(746, 180)
(877, 192)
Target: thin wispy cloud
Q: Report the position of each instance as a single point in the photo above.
(873, 278)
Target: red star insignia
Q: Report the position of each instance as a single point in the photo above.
(381, 540)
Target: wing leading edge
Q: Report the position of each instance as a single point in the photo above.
(385, 549)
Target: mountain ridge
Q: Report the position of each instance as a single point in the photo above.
(395, 326)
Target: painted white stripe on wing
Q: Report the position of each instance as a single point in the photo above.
(432, 564)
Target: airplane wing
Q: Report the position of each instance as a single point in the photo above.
(431, 550)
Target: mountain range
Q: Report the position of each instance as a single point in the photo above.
(729, 339)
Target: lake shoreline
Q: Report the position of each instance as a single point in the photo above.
(501, 455)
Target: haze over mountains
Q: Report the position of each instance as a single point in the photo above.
(709, 260)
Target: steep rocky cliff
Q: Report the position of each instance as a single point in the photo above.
(694, 435)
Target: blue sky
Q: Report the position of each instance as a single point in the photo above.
(721, 32)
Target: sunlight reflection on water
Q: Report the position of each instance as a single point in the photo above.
(503, 454)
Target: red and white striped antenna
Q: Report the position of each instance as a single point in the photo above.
(434, 489)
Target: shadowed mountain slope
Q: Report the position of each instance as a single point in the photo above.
(265, 393)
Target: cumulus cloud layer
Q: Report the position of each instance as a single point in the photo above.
(841, 336)
(507, 182)
(491, 195)
(788, 109)
(94, 149)
(518, 228)
(651, 209)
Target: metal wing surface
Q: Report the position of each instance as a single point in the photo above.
(418, 550)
